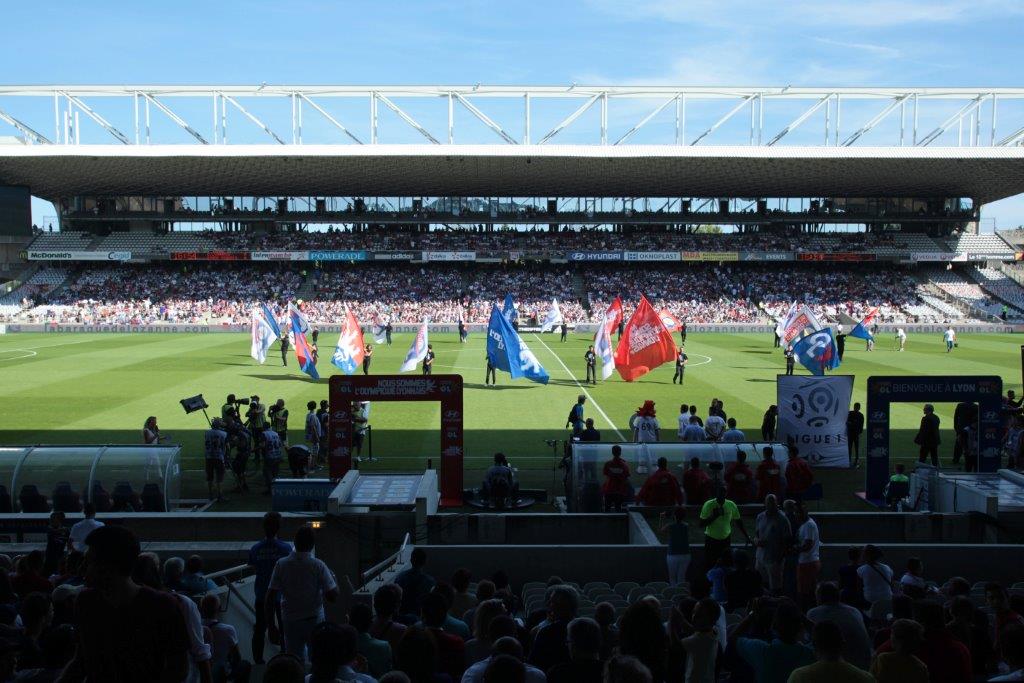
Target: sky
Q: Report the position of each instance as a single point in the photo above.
(970, 43)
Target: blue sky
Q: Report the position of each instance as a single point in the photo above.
(690, 42)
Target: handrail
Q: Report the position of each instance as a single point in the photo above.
(238, 569)
(382, 566)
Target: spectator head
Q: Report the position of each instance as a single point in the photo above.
(828, 641)
(485, 613)
(147, 571)
(604, 614)
(771, 503)
(662, 463)
(508, 646)
(626, 669)
(642, 634)
(504, 669)
(788, 622)
(694, 463)
(35, 611)
(693, 410)
(271, 524)
(902, 607)
(284, 668)
(434, 610)
(684, 409)
(906, 636)
(871, 554)
(768, 453)
(915, 567)
(589, 422)
(501, 626)
(56, 519)
(331, 646)
(856, 406)
(360, 616)
(929, 409)
(445, 591)
(111, 554)
(900, 468)
(485, 590)
(962, 609)
(194, 564)
(929, 614)
(311, 406)
(418, 557)
(853, 554)
(209, 606)
(386, 600)
(581, 399)
(555, 580)
(720, 495)
(828, 593)
(616, 451)
(958, 586)
(731, 422)
(174, 568)
(563, 602)
(324, 404)
(584, 639)
(460, 580)
(741, 456)
(305, 539)
(996, 596)
(705, 614)
(89, 510)
(416, 654)
(500, 579)
(500, 459)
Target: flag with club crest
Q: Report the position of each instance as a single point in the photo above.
(646, 343)
(303, 352)
(348, 354)
(417, 350)
(265, 331)
(507, 351)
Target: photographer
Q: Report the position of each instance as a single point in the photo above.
(242, 443)
(229, 411)
(256, 421)
(278, 415)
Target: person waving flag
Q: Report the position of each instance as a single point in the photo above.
(603, 348)
(418, 349)
(645, 343)
(612, 316)
(506, 351)
(348, 354)
(817, 351)
(303, 352)
(265, 331)
(508, 310)
(553, 317)
(863, 329)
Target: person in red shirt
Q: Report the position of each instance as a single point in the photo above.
(769, 475)
(451, 650)
(616, 481)
(739, 480)
(799, 475)
(948, 660)
(696, 483)
(661, 488)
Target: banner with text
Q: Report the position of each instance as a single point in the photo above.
(812, 412)
(338, 255)
(396, 255)
(279, 255)
(594, 256)
(767, 256)
(449, 256)
(651, 255)
(66, 255)
(709, 256)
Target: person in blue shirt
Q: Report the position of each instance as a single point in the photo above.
(718, 574)
(773, 662)
(271, 457)
(262, 557)
(576, 420)
(415, 584)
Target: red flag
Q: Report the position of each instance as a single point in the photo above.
(646, 343)
(671, 322)
(612, 316)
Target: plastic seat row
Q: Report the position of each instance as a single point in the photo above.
(66, 499)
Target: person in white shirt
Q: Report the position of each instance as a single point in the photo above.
(857, 647)
(81, 530)
(224, 638)
(314, 431)
(715, 427)
(901, 338)
(950, 338)
(808, 562)
(876, 577)
(304, 583)
(645, 425)
(732, 434)
(684, 420)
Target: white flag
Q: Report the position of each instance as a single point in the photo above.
(263, 334)
(603, 348)
(554, 317)
(418, 349)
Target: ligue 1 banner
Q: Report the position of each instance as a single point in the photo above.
(449, 256)
(651, 255)
(68, 255)
(338, 255)
(812, 415)
(279, 255)
(709, 256)
(594, 256)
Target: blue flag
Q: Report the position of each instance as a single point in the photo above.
(507, 352)
(271, 320)
(509, 309)
(302, 349)
(861, 331)
(817, 351)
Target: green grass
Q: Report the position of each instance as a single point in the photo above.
(97, 389)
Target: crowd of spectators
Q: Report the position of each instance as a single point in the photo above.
(211, 293)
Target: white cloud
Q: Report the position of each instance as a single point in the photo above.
(883, 51)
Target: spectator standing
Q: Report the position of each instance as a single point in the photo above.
(126, 632)
(678, 555)
(589, 433)
(332, 652)
(828, 647)
(739, 480)
(854, 428)
(216, 445)
(386, 601)
(616, 486)
(463, 600)
(928, 436)
(57, 537)
(696, 483)
(226, 658)
(263, 556)
(272, 456)
(694, 432)
(661, 488)
(856, 648)
(575, 419)
(768, 474)
(303, 583)
(769, 422)
(876, 578)
(717, 517)
(451, 654)
(81, 530)
(808, 562)
(415, 583)
(743, 584)
(774, 661)
(799, 475)
(1013, 654)
(314, 432)
(772, 537)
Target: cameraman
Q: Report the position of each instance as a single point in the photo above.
(256, 420)
(278, 415)
(229, 411)
(499, 482)
(242, 443)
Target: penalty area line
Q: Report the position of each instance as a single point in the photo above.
(582, 388)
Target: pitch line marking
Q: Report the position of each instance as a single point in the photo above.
(582, 388)
(28, 353)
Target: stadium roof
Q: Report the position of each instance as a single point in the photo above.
(53, 171)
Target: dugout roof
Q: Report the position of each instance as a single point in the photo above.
(50, 171)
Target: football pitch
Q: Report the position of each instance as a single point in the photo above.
(100, 388)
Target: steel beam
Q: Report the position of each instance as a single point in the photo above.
(958, 116)
(485, 119)
(570, 118)
(800, 119)
(645, 119)
(876, 120)
(408, 119)
(335, 122)
(39, 138)
(174, 117)
(97, 118)
(719, 122)
(252, 117)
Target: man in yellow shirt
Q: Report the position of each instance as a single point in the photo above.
(717, 517)
(831, 667)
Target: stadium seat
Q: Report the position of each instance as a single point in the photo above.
(657, 586)
(100, 497)
(588, 587)
(31, 500)
(152, 499)
(624, 587)
(125, 499)
(637, 593)
(65, 499)
(6, 505)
